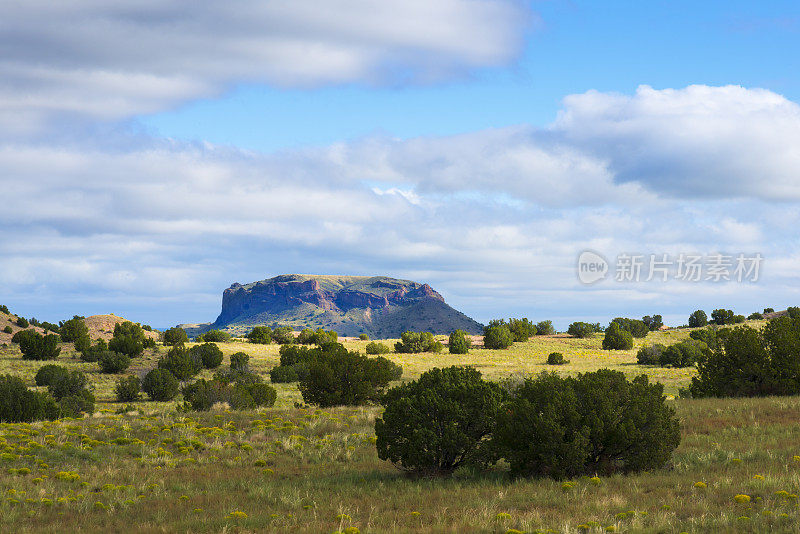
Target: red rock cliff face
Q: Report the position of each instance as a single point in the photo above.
(238, 300)
(374, 298)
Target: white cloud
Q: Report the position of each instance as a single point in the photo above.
(113, 60)
(701, 141)
(495, 219)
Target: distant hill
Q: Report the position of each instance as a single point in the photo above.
(379, 306)
(9, 320)
(102, 326)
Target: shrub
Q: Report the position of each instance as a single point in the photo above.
(35, 346)
(744, 362)
(73, 329)
(363, 337)
(175, 336)
(127, 388)
(653, 323)
(650, 354)
(769, 310)
(22, 334)
(594, 423)
(497, 337)
(556, 358)
(203, 394)
(580, 329)
(545, 328)
(208, 354)
(92, 353)
(22, 322)
(755, 316)
(160, 385)
(214, 336)
(308, 336)
(338, 377)
(711, 336)
(4, 309)
(721, 317)
(698, 319)
(47, 374)
(438, 422)
(113, 362)
(68, 384)
(283, 374)
(83, 343)
(239, 360)
(283, 335)
(459, 342)
(738, 319)
(635, 327)
(76, 405)
(262, 394)
(181, 363)
(683, 354)
(129, 339)
(377, 348)
(291, 354)
(8, 330)
(19, 404)
(793, 312)
(521, 329)
(415, 342)
(261, 335)
(617, 339)
(381, 371)
(749, 363)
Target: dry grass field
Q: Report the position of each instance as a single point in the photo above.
(149, 467)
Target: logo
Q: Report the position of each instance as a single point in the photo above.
(592, 267)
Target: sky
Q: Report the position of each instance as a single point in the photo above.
(153, 153)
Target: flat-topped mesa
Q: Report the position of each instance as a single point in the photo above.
(376, 305)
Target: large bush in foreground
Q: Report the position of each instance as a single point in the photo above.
(337, 376)
(18, 403)
(439, 422)
(596, 422)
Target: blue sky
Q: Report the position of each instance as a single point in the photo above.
(571, 47)
(151, 154)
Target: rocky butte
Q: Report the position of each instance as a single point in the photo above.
(379, 306)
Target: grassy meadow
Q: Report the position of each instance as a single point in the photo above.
(148, 467)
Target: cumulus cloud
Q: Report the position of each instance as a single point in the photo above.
(113, 60)
(495, 219)
(701, 141)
